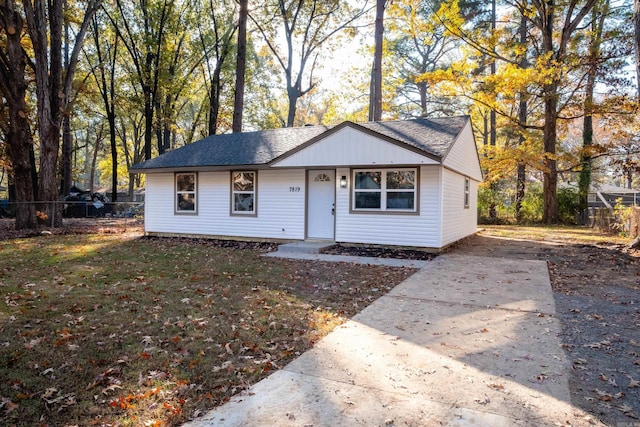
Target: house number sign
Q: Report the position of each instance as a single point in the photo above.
(294, 189)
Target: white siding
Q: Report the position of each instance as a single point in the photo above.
(463, 155)
(352, 147)
(457, 221)
(393, 229)
(280, 212)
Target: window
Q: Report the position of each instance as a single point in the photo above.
(384, 190)
(466, 192)
(243, 193)
(186, 193)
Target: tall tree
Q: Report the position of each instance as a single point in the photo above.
(103, 72)
(555, 52)
(217, 43)
(13, 84)
(141, 27)
(45, 22)
(241, 64)
(521, 174)
(599, 14)
(636, 40)
(417, 45)
(308, 25)
(67, 138)
(375, 95)
(556, 26)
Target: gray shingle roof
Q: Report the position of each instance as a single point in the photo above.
(433, 136)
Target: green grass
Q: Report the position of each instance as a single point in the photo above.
(107, 329)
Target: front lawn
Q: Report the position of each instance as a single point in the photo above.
(115, 329)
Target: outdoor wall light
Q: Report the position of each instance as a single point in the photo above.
(343, 182)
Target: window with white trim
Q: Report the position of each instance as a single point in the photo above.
(385, 190)
(186, 191)
(467, 184)
(243, 192)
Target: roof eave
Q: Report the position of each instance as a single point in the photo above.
(210, 168)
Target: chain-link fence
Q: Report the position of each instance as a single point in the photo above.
(93, 208)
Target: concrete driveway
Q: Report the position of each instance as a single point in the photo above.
(466, 341)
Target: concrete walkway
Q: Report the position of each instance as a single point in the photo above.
(466, 341)
(391, 262)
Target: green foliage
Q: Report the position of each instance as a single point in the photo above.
(568, 205)
(502, 199)
(531, 210)
(622, 217)
(488, 197)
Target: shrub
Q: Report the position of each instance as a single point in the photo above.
(531, 209)
(568, 205)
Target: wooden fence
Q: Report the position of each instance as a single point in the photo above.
(610, 220)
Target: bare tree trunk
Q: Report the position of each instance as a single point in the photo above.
(636, 40)
(522, 118)
(422, 89)
(241, 64)
(557, 51)
(550, 172)
(214, 99)
(375, 97)
(53, 85)
(492, 114)
(47, 49)
(493, 132)
(94, 159)
(584, 178)
(293, 95)
(67, 139)
(18, 136)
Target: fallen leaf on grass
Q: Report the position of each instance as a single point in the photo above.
(8, 406)
(628, 411)
(34, 342)
(606, 397)
(603, 396)
(600, 344)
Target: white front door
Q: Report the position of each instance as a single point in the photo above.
(321, 204)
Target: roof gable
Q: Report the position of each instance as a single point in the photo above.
(463, 155)
(353, 145)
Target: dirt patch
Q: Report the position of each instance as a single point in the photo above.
(597, 294)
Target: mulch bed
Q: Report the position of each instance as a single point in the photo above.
(380, 252)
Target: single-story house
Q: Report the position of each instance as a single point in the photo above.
(608, 196)
(404, 182)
